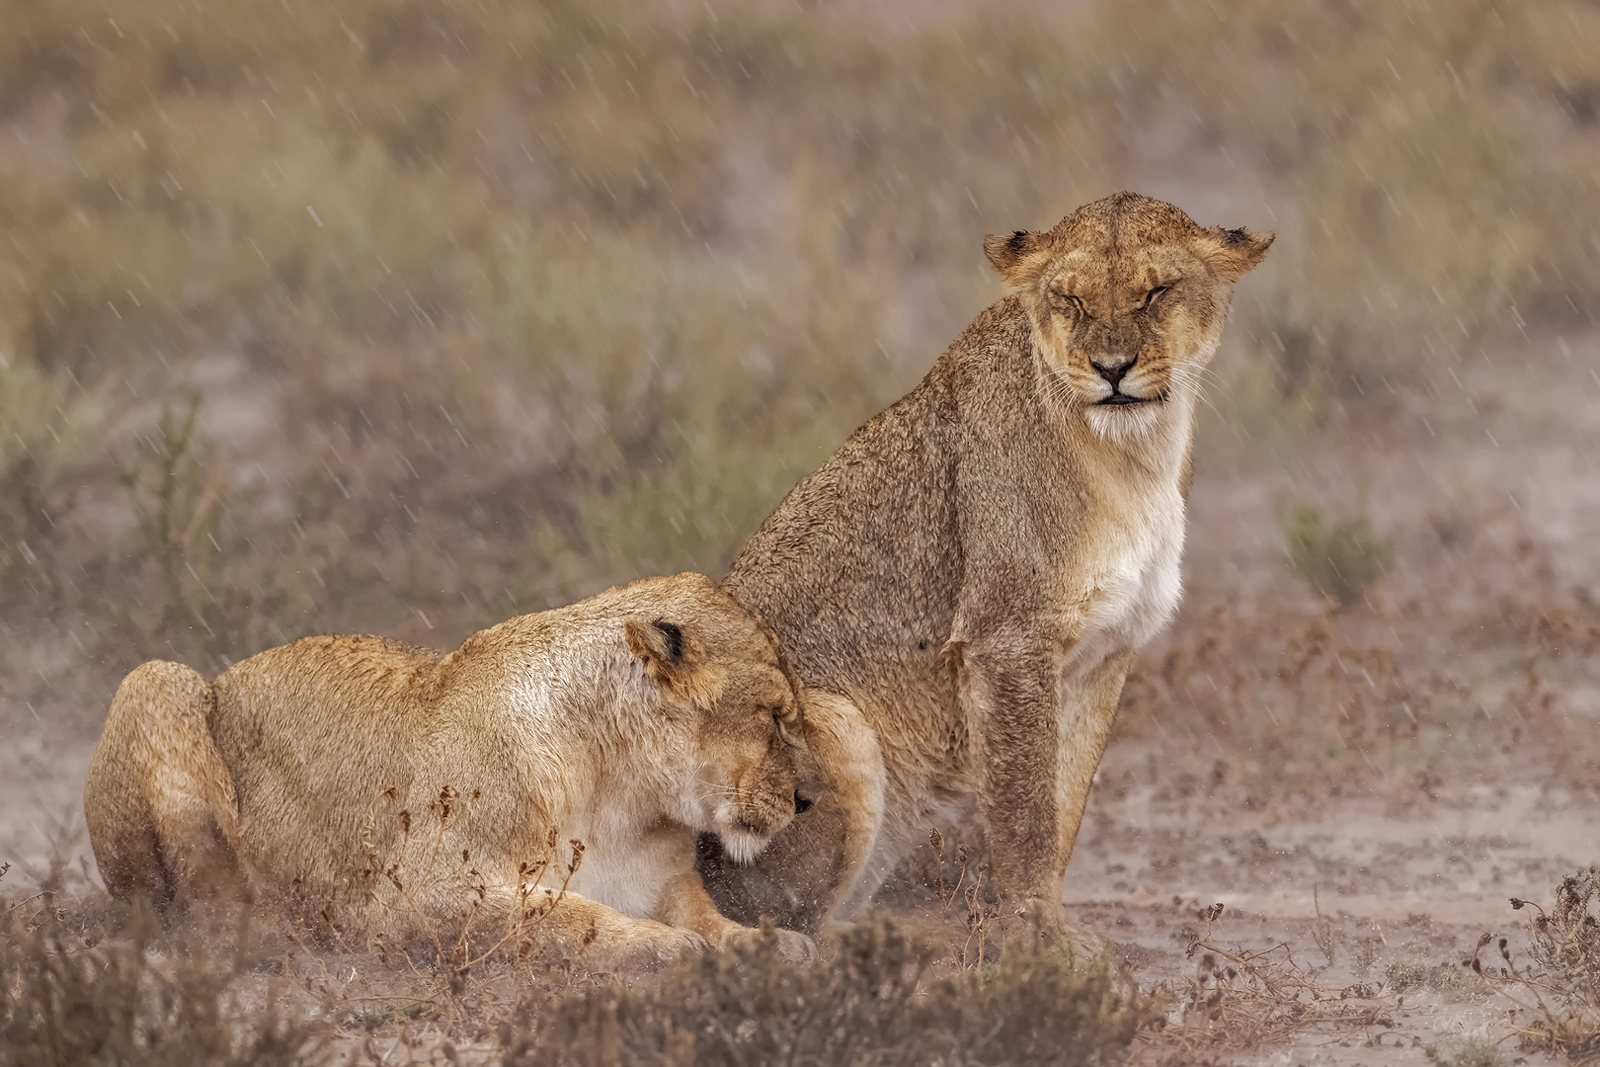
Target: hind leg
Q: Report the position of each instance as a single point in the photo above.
(160, 804)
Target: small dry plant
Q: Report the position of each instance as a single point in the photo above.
(1242, 998)
(532, 902)
(873, 999)
(1560, 993)
(967, 887)
(81, 983)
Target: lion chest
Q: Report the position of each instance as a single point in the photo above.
(1129, 585)
(625, 876)
(624, 867)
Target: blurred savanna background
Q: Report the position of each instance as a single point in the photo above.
(403, 317)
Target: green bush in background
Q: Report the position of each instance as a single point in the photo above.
(1340, 560)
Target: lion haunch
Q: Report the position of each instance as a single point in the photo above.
(386, 790)
(963, 585)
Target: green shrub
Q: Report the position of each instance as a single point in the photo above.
(1455, 983)
(1466, 1052)
(45, 427)
(1340, 561)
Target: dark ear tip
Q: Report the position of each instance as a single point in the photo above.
(1005, 251)
(1243, 235)
(674, 635)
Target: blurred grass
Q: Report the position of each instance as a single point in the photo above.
(88, 981)
(1339, 560)
(489, 305)
(874, 1000)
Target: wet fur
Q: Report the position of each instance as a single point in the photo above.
(631, 720)
(963, 585)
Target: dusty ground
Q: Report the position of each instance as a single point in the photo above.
(1423, 886)
(1402, 866)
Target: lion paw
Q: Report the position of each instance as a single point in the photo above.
(647, 953)
(792, 944)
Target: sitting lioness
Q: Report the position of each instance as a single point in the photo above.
(381, 790)
(963, 585)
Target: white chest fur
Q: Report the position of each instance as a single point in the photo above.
(622, 865)
(1132, 588)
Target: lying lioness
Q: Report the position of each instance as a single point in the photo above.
(378, 789)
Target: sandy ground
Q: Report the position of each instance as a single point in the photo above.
(1421, 882)
(1422, 887)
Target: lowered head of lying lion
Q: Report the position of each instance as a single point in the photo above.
(622, 726)
(737, 742)
(1125, 304)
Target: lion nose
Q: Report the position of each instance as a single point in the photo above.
(1112, 368)
(802, 803)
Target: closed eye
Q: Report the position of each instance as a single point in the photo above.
(1065, 301)
(1153, 295)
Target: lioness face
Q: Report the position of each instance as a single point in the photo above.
(747, 772)
(1127, 297)
(754, 762)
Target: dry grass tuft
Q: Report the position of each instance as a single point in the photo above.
(1457, 983)
(873, 999)
(80, 984)
(1467, 1052)
(1559, 996)
(1244, 998)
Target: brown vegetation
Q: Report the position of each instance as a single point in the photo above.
(79, 985)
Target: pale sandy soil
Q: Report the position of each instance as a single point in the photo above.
(1422, 886)
(1423, 877)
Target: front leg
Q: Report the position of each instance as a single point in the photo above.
(1042, 738)
(686, 904)
(1005, 684)
(1086, 711)
(551, 924)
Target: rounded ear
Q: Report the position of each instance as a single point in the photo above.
(673, 659)
(659, 646)
(1232, 253)
(1005, 254)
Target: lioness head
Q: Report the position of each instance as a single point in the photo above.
(746, 770)
(1127, 297)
